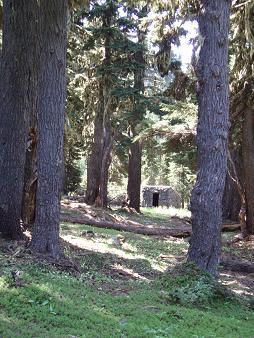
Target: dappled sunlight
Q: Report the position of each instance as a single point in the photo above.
(108, 248)
(238, 283)
(166, 212)
(129, 272)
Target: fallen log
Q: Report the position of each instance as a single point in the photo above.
(231, 227)
(237, 266)
(179, 232)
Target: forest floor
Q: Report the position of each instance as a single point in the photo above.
(123, 284)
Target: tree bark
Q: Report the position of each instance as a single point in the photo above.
(30, 180)
(51, 101)
(135, 152)
(212, 134)
(16, 84)
(30, 175)
(248, 160)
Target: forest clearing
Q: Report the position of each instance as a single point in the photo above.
(106, 288)
(126, 168)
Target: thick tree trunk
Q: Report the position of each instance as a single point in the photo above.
(16, 84)
(30, 176)
(51, 101)
(212, 133)
(248, 160)
(135, 152)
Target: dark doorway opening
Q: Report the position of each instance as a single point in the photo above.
(155, 199)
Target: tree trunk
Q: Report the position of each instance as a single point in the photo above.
(100, 158)
(248, 160)
(106, 160)
(231, 202)
(135, 152)
(17, 81)
(212, 134)
(134, 172)
(51, 101)
(95, 158)
(30, 175)
(30, 184)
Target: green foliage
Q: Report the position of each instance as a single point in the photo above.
(193, 287)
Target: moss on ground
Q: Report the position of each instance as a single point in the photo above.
(120, 291)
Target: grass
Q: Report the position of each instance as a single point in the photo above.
(158, 216)
(121, 291)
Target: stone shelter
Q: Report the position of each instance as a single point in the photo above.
(160, 196)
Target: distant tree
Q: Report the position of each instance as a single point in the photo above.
(52, 39)
(242, 107)
(114, 91)
(100, 156)
(212, 133)
(138, 112)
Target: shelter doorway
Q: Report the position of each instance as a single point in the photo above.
(155, 199)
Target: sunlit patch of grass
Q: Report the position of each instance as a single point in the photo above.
(161, 213)
(153, 216)
(121, 291)
(136, 247)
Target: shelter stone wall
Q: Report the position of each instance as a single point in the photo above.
(155, 196)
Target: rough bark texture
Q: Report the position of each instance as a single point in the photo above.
(51, 100)
(135, 152)
(212, 133)
(248, 160)
(30, 184)
(17, 79)
(30, 176)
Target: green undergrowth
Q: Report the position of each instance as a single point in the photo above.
(117, 292)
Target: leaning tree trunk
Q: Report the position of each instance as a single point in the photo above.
(212, 134)
(51, 100)
(248, 160)
(135, 152)
(16, 84)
